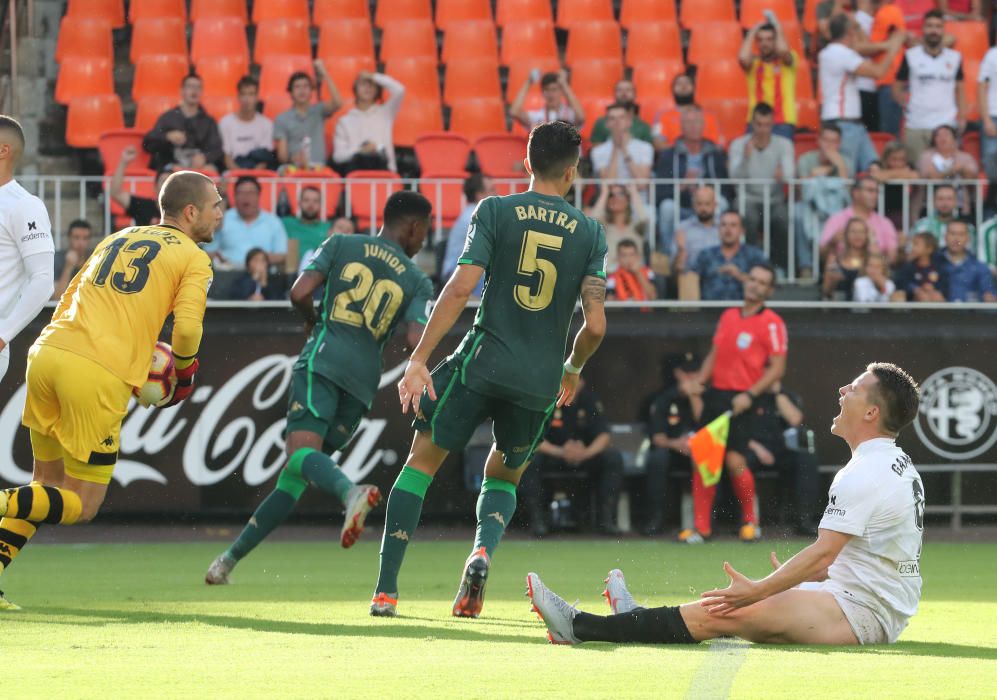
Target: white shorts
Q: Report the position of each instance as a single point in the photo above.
(4, 361)
(863, 621)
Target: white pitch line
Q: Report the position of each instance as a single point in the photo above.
(716, 673)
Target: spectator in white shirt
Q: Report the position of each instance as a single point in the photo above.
(364, 139)
(987, 100)
(929, 85)
(622, 157)
(839, 66)
(875, 284)
(560, 103)
(247, 135)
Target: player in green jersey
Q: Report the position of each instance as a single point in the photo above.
(370, 286)
(538, 254)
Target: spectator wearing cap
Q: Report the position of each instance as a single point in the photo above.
(186, 136)
(246, 226)
(299, 133)
(364, 138)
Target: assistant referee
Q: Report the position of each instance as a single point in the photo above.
(747, 357)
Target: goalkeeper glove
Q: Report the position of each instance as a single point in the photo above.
(185, 383)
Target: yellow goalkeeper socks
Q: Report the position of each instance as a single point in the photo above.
(43, 504)
(14, 535)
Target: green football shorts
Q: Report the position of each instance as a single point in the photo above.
(317, 405)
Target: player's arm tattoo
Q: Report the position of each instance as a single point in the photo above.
(593, 292)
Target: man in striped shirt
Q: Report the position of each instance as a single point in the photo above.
(771, 75)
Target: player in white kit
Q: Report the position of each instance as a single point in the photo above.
(27, 254)
(859, 583)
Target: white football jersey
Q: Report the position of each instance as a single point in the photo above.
(878, 498)
(25, 230)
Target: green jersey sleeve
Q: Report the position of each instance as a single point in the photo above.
(480, 244)
(596, 264)
(419, 308)
(325, 256)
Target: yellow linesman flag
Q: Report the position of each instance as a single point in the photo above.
(708, 445)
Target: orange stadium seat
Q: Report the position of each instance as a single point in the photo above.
(148, 110)
(970, 40)
(970, 144)
(157, 36)
(219, 36)
(523, 40)
(593, 40)
(692, 14)
(594, 107)
(520, 70)
(635, 12)
(523, 11)
(138, 182)
(408, 38)
(441, 152)
(268, 185)
(752, 11)
(112, 143)
(500, 155)
(159, 75)
(220, 105)
(326, 181)
(325, 10)
(84, 76)
(111, 10)
(449, 12)
(90, 116)
(470, 40)
(653, 80)
(276, 70)
(344, 69)
(273, 104)
(221, 74)
(654, 41)
(417, 117)
(419, 75)
(807, 114)
(804, 142)
(650, 108)
(804, 80)
(82, 36)
(714, 40)
(204, 9)
(346, 37)
(810, 16)
(572, 12)
(390, 11)
(732, 116)
(720, 79)
(157, 9)
(267, 10)
(794, 37)
(475, 116)
(281, 37)
(367, 199)
(447, 197)
(472, 78)
(971, 72)
(596, 78)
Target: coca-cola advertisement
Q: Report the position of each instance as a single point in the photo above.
(220, 451)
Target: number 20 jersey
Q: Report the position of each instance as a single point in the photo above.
(115, 307)
(535, 249)
(370, 285)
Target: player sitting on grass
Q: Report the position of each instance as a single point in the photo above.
(98, 347)
(859, 583)
(370, 285)
(539, 254)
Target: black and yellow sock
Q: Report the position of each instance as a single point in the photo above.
(273, 511)
(400, 521)
(14, 535)
(496, 506)
(44, 504)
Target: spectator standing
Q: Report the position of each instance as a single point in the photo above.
(891, 172)
(865, 198)
(929, 85)
(747, 357)
(722, 271)
(968, 279)
(838, 67)
(887, 20)
(845, 262)
(624, 93)
(364, 136)
(623, 215)
(622, 157)
(247, 135)
(764, 155)
(825, 173)
(693, 157)
(867, 86)
(987, 100)
(342, 226)
(144, 211)
(476, 188)
(299, 133)
(945, 211)
(560, 103)
(306, 231)
(246, 226)
(673, 416)
(875, 284)
(254, 284)
(632, 280)
(669, 125)
(186, 136)
(577, 438)
(771, 74)
(921, 278)
(71, 260)
(699, 231)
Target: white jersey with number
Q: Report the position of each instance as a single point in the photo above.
(25, 230)
(878, 498)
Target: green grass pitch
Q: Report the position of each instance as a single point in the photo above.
(136, 621)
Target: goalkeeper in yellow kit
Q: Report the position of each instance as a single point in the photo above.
(98, 347)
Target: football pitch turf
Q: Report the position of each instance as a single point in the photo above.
(136, 620)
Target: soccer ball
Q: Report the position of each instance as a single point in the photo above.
(162, 382)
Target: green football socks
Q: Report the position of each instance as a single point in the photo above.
(321, 471)
(274, 510)
(496, 506)
(400, 522)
